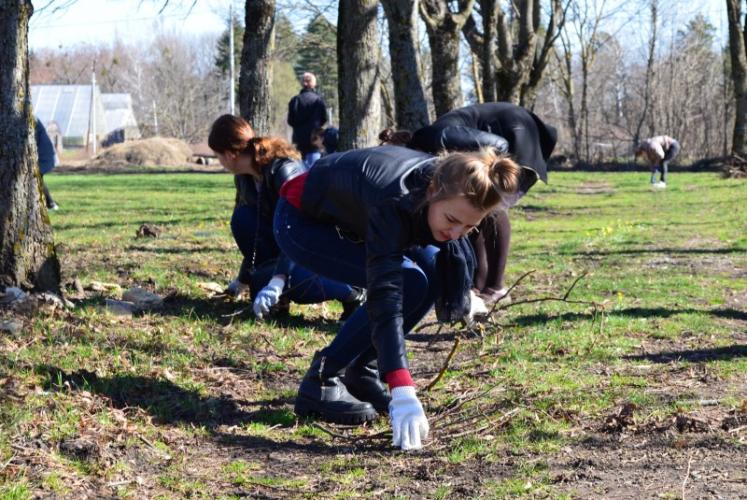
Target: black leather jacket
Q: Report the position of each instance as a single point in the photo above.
(264, 195)
(377, 195)
(503, 125)
(306, 113)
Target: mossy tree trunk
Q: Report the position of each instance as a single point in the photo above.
(27, 254)
(255, 76)
(358, 69)
(737, 35)
(411, 107)
(443, 27)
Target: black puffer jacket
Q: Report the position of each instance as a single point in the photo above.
(264, 196)
(306, 113)
(527, 138)
(378, 196)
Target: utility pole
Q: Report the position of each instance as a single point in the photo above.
(155, 118)
(92, 120)
(231, 90)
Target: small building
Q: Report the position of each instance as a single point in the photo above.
(121, 124)
(69, 106)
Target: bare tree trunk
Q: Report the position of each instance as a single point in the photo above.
(568, 91)
(27, 254)
(649, 73)
(737, 33)
(443, 27)
(358, 62)
(255, 78)
(411, 108)
(483, 45)
(520, 63)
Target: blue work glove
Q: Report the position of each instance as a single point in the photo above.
(268, 297)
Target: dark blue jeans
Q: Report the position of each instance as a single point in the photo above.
(304, 287)
(320, 248)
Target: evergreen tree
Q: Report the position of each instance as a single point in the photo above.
(222, 62)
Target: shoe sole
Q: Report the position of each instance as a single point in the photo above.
(359, 395)
(308, 408)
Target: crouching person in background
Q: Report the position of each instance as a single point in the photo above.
(658, 152)
(261, 165)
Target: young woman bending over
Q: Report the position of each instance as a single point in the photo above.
(261, 165)
(392, 220)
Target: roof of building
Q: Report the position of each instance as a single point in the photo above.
(70, 107)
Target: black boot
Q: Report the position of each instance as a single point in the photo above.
(349, 306)
(362, 381)
(323, 393)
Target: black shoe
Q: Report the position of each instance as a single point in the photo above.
(323, 393)
(281, 310)
(362, 381)
(349, 306)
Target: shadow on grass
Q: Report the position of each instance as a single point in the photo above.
(643, 251)
(171, 404)
(693, 355)
(167, 402)
(107, 224)
(632, 312)
(224, 311)
(174, 250)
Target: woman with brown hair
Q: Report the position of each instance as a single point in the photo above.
(394, 221)
(261, 165)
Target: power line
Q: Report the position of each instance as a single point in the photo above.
(119, 20)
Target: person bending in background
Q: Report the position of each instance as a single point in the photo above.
(507, 128)
(47, 159)
(261, 165)
(392, 220)
(658, 152)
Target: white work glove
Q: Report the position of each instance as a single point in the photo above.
(477, 307)
(236, 288)
(268, 297)
(409, 425)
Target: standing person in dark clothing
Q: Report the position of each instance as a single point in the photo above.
(508, 128)
(47, 159)
(262, 165)
(307, 113)
(392, 220)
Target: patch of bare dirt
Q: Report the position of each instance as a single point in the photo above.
(595, 188)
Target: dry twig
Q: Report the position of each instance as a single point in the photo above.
(444, 367)
(378, 435)
(687, 474)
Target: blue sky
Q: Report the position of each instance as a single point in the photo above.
(100, 21)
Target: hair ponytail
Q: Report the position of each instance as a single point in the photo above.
(480, 176)
(505, 174)
(266, 149)
(395, 137)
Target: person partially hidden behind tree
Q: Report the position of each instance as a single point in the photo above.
(658, 152)
(307, 113)
(47, 159)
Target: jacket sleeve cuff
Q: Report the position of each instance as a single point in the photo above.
(399, 378)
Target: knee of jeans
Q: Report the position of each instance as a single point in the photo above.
(416, 282)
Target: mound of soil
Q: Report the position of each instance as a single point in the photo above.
(159, 151)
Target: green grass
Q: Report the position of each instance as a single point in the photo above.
(196, 399)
